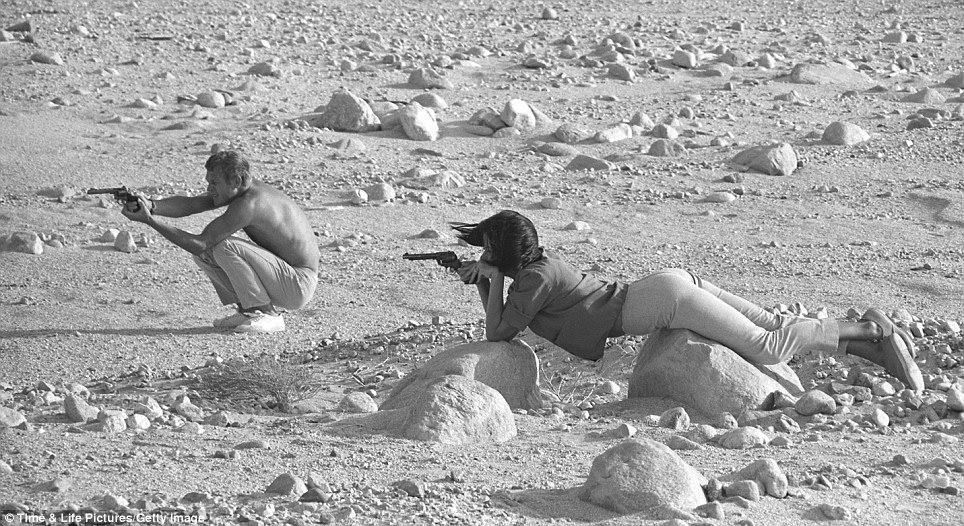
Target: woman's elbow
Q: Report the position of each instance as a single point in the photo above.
(496, 335)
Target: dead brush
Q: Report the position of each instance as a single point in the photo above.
(257, 380)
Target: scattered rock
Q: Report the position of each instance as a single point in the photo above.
(572, 133)
(419, 123)
(681, 443)
(814, 402)
(675, 419)
(588, 162)
(357, 402)
(833, 74)
(43, 57)
(287, 484)
(78, 410)
(765, 472)
(776, 159)
(346, 112)
(664, 131)
(12, 418)
(427, 78)
(380, 192)
(57, 485)
(211, 99)
(925, 96)
(518, 114)
(557, 149)
(844, 134)
(619, 132)
(685, 59)
(746, 489)
(665, 148)
(26, 242)
(742, 438)
(641, 476)
(125, 242)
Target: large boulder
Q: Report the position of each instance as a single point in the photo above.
(452, 410)
(704, 375)
(771, 159)
(418, 122)
(834, 74)
(642, 476)
(346, 112)
(511, 368)
(459, 410)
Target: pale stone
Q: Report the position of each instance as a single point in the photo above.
(346, 112)
(511, 368)
(587, 162)
(703, 375)
(418, 122)
(572, 133)
(357, 402)
(844, 134)
(78, 410)
(814, 402)
(642, 476)
(925, 96)
(26, 242)
(518, 114)
(12, 418)
(742, 438)
(619, 132)
(459, 410)
(211, 99)
(380, 192)
(125, 242)
(765, 472)
(833, 74)
(287, 484)
(665, 148)
(777, 159)
(427, 78)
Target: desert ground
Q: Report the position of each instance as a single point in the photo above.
(107, 94)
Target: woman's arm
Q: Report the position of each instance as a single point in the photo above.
(496, 329)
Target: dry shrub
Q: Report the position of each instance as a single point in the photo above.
(254, 381)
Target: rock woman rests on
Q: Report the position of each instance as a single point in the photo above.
(578, 312)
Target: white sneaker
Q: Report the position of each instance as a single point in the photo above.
(258, 321)
(230, 322)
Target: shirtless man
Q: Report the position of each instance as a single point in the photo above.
(277, 269)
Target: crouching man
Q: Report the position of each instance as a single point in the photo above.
(276, 269)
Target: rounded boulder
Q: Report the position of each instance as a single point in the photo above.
(642, 476)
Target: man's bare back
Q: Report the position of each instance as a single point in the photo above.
(278, 224)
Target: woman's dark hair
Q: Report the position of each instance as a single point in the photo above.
(513, 241)
(230, 165)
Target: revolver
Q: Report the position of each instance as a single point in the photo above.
(447, 259)
(121, 194)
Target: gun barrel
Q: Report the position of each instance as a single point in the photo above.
(429, 255)
(106, 190)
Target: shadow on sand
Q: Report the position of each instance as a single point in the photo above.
(160, 331)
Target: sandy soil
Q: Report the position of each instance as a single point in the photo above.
(875, 224)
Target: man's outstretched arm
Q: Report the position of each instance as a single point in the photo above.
(234, 218)
(182, 206)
